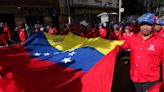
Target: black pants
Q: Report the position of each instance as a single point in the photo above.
(142, 87)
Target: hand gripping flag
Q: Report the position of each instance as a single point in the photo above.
(68, 63)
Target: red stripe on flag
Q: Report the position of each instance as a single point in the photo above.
(100, 77)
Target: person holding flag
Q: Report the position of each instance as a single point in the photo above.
(147, 53)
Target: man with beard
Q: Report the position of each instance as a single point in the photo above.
(146, 54)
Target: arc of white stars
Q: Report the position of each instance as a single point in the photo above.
(56, 52)
(37, 54)
(72, 53)
(46, 54)
(64, 51)
(71, 50)
(66, 60)
(58, 42)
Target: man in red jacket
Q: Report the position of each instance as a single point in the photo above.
(102, 32)
(5, 36)
(22, 35)
(147, 53)
(158, 28)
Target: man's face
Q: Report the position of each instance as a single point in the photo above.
(157, 28)
(127, 30)
(146, 29)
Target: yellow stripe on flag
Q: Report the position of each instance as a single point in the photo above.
(54, 39)
(72, 42)
(103, 45)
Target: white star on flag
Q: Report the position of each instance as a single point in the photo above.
(37, 54)
(66, 60)
(58, 42)
(56, 52)
(72, 53)
(46, 54)
(64, 51)
(71, 50)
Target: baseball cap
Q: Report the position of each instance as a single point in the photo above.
(158, 21)
(147, 18)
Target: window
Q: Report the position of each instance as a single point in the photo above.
(108, 4)
(98, 1)
(82, 0)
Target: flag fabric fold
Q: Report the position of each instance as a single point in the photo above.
(68, 63)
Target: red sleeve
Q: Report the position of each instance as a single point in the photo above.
(9, 34)
(119, 36)
(55, 30)
(126, 44)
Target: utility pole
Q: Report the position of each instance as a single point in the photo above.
(68, 10)
(120, 10)
(158, 6)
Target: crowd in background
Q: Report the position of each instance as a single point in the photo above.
(111, 31)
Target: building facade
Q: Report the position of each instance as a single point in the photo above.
(17, 12)
(87, 9)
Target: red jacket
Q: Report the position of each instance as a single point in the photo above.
(102, 33)
(22, 35)
(115, 35)
(160, 33)
(6, 33)
(145, 56)
(52, 31)
(3, 40)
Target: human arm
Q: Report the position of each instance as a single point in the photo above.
(126, 45)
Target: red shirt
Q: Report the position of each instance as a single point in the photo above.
(52, 31)
(6, 33)
(115, 35)
(82, 34)
(22, 35)
(145, 58)
(102, 33)
(90, 34)
(3, 40)
(160, 33)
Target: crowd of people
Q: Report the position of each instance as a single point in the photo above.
(112, 31)
(20, 33)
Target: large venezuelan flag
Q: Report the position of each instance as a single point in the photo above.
(68, 63)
